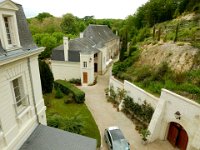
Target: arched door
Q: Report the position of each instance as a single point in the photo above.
(177, 136)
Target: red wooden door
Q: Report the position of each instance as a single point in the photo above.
(172, 134)
(85, 77)
(182, 140)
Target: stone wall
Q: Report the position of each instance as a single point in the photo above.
(165, 108)
(138, 94)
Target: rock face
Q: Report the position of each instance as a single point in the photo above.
(179, 56)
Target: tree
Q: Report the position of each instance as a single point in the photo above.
(46, 77)
(43, 15)
(49, 42)
(69, 24)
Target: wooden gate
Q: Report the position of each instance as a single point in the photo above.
(85, 77)
(177, 136)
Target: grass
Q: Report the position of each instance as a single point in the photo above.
(186, 84)
(57, 106)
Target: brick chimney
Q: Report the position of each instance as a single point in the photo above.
(66, 48)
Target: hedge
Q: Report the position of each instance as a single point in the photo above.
(67, 88)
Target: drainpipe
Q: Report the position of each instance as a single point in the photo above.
(33, 93)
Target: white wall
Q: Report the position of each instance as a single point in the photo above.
(138, 94)
(165, 108)
(89, 58)
(190, 118)
(16, 128)
(65, 70)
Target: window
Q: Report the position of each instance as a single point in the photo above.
(85, 64)
(11, 38)
(7, 26)
(21, 100)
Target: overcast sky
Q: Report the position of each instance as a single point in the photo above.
(98, 8)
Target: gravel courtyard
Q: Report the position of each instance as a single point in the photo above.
(105, 115)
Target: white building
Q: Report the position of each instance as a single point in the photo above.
(21, 101)
(176, 119)
(82, 57)
(22, 109)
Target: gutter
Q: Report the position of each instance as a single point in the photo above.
(23, 55)
(33, 93)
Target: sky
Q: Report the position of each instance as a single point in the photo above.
(115, 9)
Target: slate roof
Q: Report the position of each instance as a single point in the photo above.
(100, 34)
(94, 37)
(48, 138)
(25, 37)
(76, 46)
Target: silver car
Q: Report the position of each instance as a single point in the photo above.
(115, 139)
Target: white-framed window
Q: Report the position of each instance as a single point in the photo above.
(10, 37)
(8, 29)
(85, 64)
(21, 100)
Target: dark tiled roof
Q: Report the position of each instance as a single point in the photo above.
(74, 56)
(48, 138)
(100, 34)
(58, 53)
(25, 36)
(83, 45)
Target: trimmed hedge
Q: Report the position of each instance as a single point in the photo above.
(67, 88)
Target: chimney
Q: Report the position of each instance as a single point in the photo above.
(81, 35)
(116, 33)
(66, 48)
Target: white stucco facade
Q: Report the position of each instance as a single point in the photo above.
(165, 108)
(96, 50)
(65, 70)
(17, 127)
(168, 105)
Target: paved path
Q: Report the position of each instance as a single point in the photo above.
(105, 116)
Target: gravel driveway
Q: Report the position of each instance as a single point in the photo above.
(105, 115)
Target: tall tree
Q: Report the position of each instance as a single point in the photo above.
(69, 24)
(43, 15)
(46, 77)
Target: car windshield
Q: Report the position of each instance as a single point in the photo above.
(121, 145)
(116, 134)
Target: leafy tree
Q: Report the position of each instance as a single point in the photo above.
(46, 76)
(59, 37)
(69, 24)
(49, 42)
(43, 15)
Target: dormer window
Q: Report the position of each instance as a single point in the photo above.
(7, 26)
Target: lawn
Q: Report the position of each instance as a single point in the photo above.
(57, 106)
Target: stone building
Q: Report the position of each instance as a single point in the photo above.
(82, 57)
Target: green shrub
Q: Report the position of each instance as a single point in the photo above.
(54, 121)
(143, 73)
(67, 88)
(144, 112)
(190, 88)
(75, 81)
(69, 99)
(132, 49)
(58, 94)
(155, 87)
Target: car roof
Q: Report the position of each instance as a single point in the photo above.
(113, 127)
(116, 133)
